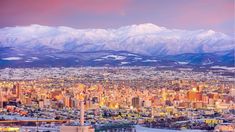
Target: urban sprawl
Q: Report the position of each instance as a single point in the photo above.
(105, 98)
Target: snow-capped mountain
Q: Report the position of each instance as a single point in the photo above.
(146, 39)
(135, 45)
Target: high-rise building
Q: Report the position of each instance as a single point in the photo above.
(135, 102)
(194, 95)
(16, 90)
(13, 90)
(205, 99)
(67, 101)
(232, 92)
(1, 99)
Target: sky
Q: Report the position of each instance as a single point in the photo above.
(217, 15)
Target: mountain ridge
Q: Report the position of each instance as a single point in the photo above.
(147, 39)
(134, 45)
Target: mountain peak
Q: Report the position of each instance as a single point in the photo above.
(211, 31)
(36, 26)
(140, 29)
(149, 26)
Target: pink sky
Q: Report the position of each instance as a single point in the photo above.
(217, 15)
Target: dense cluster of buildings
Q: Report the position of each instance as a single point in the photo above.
(147, 96)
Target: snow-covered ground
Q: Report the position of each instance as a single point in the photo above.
(115, 57)
(182, 63)
(17, 117)
(12, 58)
(148, 60)
(223, 67)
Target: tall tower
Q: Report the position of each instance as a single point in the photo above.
(82, 127)
(82, 113)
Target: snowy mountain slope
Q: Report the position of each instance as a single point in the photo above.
(12, 57)
(146, 39)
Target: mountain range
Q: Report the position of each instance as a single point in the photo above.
(144, 44)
